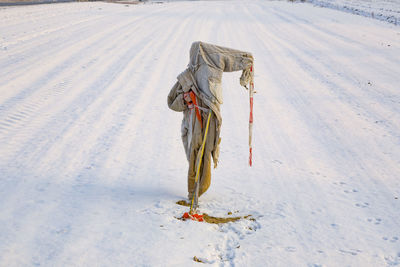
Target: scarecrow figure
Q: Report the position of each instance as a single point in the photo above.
(198, 94)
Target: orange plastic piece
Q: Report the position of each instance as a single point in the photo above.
(195, 217)
(198, 115)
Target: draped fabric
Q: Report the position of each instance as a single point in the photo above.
(203, 77)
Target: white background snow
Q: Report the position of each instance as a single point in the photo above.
(385, 10)
(91, 161)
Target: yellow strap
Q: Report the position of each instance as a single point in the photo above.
(201, 157)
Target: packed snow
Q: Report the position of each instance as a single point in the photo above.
(385, 10)
(91, 159)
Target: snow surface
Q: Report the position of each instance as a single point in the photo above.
(386, 10)
(91, 161)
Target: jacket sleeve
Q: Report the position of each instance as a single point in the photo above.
(175, 98)
(221, 58)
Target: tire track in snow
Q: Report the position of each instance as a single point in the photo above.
(104, 97)
(144, 97)
(70, 60)
(35, 36)
(43, 136)
(67, 39)
(62, 48)
(127, 110)
(385, 32)
(299, 97)
(372, 55)
(194, 27)
(35, 49)
(332, 35)
(47, 96)
(296, 55)
(234, 148)
(315, 34)
(51, 69)
(148, 102)
(11, 16)
(275, 46)
(171, 155)
(308, 63)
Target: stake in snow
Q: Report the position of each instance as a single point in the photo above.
(198, 94)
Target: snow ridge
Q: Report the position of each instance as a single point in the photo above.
(384, 10)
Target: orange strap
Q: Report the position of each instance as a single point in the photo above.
(198, 115)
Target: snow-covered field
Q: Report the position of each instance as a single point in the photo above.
(91, 161)
(385, 10)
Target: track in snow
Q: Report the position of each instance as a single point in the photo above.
(91, 160)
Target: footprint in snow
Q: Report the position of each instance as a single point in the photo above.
(375, 221)
(350, 191)
(290, 249)
(353, 252)
(277, 161)
(394, 239)
(362, 205)
(392, 261)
